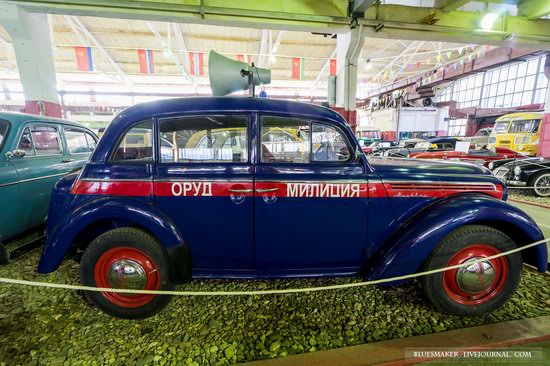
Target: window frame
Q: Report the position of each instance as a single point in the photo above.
(77, 129)
(30, 125)
(113, 152)
(7, 135)
(310, 120)
(248, 129)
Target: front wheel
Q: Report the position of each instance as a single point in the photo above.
(478, 288)
(126, 258)
(541, 184)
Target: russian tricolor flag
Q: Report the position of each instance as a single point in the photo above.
(84, 59)
(146, 62)
(196, 63)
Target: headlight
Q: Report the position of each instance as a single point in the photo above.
(517, 170)
(491, 165)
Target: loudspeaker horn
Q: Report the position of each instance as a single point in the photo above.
(228, 75)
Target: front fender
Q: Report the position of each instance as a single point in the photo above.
(61, 237)
(406, 251)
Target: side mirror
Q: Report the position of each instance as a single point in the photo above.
(17, 153)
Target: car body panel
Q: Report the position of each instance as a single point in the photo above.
(26, 182)
(305, 219)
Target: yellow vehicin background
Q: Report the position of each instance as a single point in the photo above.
(517, 131)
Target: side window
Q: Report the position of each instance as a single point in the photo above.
(204, 139)
(137, 144)
(284, 140)
(77, 141)
(328, 144)
(92, 143)
(25, 143)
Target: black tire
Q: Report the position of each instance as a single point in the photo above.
(446, 292)
(140, 251)
(538, 181)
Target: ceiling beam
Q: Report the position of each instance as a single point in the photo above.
(449, 5)
(262, 52)
(534, 9)
(182, 47)
(164, 45)
(406, 22)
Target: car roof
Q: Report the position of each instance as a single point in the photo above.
(442, 140)
(520, 116)
(20, 118)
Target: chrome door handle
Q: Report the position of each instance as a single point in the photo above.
(265, 190)
(67, 160)
(240, 190)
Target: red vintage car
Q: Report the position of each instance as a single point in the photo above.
(480, 157)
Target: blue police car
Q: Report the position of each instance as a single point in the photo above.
(257, 188)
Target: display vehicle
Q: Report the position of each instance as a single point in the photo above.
(366, 135)
(278, 189)
(480, 140)
(480, 157)
(35, 152)
(433, 144)
(517, 131)
(532, 172)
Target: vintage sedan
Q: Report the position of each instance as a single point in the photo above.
(35, 152)
(532, 172)
(260, 205)
(433, 144)
(480, 157)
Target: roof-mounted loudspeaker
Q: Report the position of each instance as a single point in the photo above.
(228, 75)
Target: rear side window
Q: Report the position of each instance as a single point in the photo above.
(4, 127)
(204, 139)
(136, 145)
(40, 141)
(78, 141)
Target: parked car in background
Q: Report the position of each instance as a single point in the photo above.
(366, 135)
(433, 144)
(532, 172)
(35, 152)
(286, 192)
(517, 131)
(480, 157)
(480, 140)
(378, 146)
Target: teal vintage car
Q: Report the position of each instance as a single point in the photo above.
(35, 152)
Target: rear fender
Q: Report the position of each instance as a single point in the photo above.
(405, 252)
(61, 237)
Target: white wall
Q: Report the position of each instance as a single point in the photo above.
(384, 119)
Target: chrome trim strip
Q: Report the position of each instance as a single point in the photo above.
(33, 179)
(341, 181)
(427, 182)
(106, 180)
(229, 180)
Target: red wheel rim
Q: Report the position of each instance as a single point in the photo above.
(478, 283)
(119, 268)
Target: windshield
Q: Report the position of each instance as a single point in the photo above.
(4, 126)
(422, 145)
(368, 134)
(501, 127)
(529, 126)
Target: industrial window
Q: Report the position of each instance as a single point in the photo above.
(457, 127)
(204, 139)
(136, 145)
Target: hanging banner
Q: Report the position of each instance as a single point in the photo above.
(146, 62)
(297, 68)
(242, 58)
(332, 67)
(84, 59)
(196, 63)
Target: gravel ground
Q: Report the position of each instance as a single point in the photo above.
(526, 196)
(58, 327)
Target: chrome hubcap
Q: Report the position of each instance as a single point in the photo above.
(542, 185)
(127, 273)
(475, 277)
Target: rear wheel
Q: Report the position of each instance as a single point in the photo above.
(541, 184)
(478, 288)
(126, 258)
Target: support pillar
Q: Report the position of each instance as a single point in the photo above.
(544, 142)
(30, 33)
(348, 48)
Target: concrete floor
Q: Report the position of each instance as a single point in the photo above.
(541, 216)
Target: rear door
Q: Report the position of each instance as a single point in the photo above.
(204, 182)
(311, 198)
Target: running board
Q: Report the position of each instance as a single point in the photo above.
(10, 251)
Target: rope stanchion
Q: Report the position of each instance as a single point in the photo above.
(11, 281)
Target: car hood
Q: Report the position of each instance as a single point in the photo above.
(396, 168)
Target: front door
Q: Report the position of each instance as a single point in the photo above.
(204, 182)
(311, 198)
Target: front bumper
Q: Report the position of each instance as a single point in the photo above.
(516, 183)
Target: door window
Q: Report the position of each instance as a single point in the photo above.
(136, 145)
(40, 141)
(284, 140)
(328, 144)
(204, 139)
(78, 141)
(4, 127)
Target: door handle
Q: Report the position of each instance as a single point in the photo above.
(240, 190)
(67, 160)
(265, 190)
